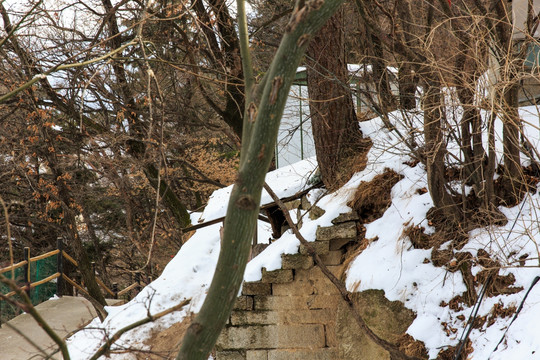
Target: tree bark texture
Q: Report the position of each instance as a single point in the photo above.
(435, 153)
(333, 119)
(511, 148)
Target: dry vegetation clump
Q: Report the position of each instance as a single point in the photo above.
(499, 311)
(418, 238)
(354, 161)
(450, 352)
(373, 198)
(496, 284)
(411, 347)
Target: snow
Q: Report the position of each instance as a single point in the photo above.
(285, 181)
(389, 263)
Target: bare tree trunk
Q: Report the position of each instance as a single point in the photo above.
(435, 153)
(509, 102)
(407, 87)
(512, 163)
(333, 119)
(407, 81)
(471, 138)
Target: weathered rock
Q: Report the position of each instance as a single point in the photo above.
(305, 336)
(296, 354)
(346, 217)
(315, 212)
(308, 282)
(387, 319)
(340, 231)
(320, 247)
(243, 303)
(316, 273)
(292, 302)
(305, 203)
(230, 355)
(291, 316)
(294, 204)
(333, 257)
(257, 355)
(254, 317)
(296, 261)
(279, 276)
(338, 244)
(256, 288)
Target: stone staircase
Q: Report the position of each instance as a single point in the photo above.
(290, 314)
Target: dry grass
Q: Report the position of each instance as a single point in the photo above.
(373, 198)
(411, 347)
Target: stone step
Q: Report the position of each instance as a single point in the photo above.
(346, 217)
(274, 317)
(256, 288)
(321, 247)
(279, 276)
(291, 302)
(296, 261)
(340, 231)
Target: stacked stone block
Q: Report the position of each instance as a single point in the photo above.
(291, 312)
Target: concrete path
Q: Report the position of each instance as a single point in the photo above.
(63, 315)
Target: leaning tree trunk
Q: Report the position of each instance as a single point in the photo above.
(333, 119)
(261, 120)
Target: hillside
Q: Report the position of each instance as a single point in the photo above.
(439, 278)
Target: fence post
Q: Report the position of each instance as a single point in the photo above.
(27, 270)
(60, 267)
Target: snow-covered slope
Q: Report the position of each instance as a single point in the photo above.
(390, 263)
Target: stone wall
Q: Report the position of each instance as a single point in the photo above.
(291, 313)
